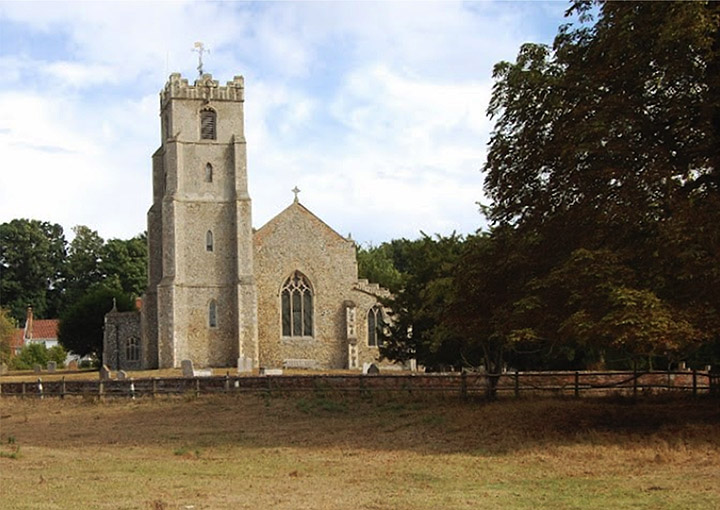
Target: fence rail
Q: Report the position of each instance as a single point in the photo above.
(463, 384)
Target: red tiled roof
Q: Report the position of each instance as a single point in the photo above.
(17, 340)
(44, 329)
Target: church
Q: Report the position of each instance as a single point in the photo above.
(221, 293)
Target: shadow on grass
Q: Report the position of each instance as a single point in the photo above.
(425, 425)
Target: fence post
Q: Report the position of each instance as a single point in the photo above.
(197, 386)
(40, 387)
(463, 385)
(132, 389)
(694, 380)
(101, 386)
(635, 380)
(23, 389)
(227, 382)
(577, 384)
(517, 383)
(154, 387)
(62, 388)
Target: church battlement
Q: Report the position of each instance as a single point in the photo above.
(204, 88)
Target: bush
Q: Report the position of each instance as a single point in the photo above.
(37, 354)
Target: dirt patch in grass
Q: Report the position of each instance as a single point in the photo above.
(320, 451)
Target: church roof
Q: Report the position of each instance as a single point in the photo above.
(265, 230)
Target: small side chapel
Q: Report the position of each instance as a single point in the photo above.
(220, 293)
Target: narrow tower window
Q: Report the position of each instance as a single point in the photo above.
(212, 314)
(208, 122)
(208, 173)
(297, 307)
(209, 245)
(375, 322)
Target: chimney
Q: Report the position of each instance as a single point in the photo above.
(29, 324)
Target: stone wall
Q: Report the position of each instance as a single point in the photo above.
(122, 328)
(296, 240)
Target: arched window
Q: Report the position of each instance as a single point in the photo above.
(209, 245)
(208, 173)
(208, 124)
(375, 323)
(132, 349)
(297, 306)
(212, 314)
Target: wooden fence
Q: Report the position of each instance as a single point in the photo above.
(464, 385)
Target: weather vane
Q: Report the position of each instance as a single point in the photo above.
(199, 48)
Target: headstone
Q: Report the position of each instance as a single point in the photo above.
(105, 373)
(271, 371)
(122, 375)
(245, 364)
(37, 368)
(3, 369)
(413, 365)
(72, 365)
(51, 366)
(373, 369)
(187, 368)
(202, 372)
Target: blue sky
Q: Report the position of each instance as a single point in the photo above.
(376, 111)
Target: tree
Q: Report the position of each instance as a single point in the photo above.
(32, 254)
(83, 262)
(81, 325)
(375, 263)
(604, 152)
(124, 264)
(7, 330)
(416, 329)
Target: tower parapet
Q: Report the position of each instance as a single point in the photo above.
(204, 88)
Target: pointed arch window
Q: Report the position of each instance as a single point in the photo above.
(375, 324)
(208, 124)
(208, 173)
(297, 307)
(209, 242)
(212, 314)
(132, 349)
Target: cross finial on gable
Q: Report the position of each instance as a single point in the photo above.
(296, 190)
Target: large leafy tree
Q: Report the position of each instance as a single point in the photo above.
(123, 263)
(416, 329)
(32, 255)
(7, 329)
(83, 262)
(607, 143)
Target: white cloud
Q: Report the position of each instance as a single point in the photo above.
(375, 110)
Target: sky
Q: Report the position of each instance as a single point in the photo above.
(376, 111)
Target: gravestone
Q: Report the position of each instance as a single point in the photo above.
(52, 366)
(370, 369)
(245, 365)
(121, 375)
(37, 368)
(105, 373)
(187, 368)
(271, 371)
(72, 365)
(3, 369)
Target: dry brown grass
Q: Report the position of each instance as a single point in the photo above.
(324, 452)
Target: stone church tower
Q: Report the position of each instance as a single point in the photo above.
(201, 302)
(220, 294)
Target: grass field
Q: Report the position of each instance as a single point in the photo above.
(320, 452)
